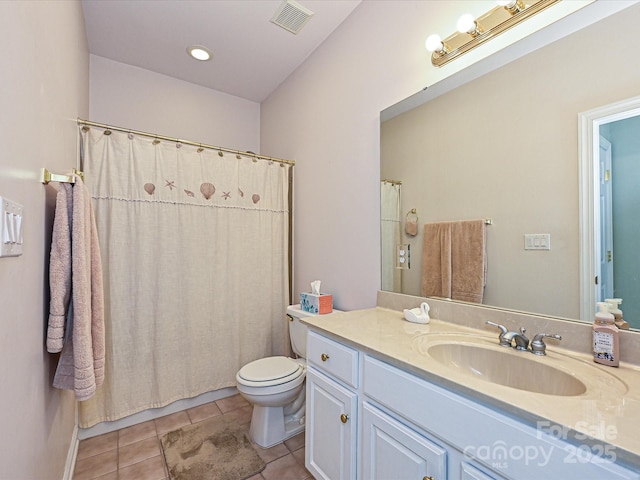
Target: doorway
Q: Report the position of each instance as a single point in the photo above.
(609, 151)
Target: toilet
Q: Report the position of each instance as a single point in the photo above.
(275, 387)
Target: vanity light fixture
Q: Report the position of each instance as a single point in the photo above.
(199, 52)
(473, 32)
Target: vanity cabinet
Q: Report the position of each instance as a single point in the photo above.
(332, 409)
(392, 450)
(368, 419)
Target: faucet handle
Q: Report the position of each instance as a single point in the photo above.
(538, 347)
(503, 330)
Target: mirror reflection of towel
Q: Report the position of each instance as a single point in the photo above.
(454, 261)
(411, 227)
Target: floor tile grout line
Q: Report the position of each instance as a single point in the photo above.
(191, 422)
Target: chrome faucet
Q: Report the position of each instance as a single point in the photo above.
(503, 331)
(517, 340)
(538, 346)
(520, 342)
(511, 339)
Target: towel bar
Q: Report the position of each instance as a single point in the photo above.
(46, 176)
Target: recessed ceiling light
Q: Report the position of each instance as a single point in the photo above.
(199, 52)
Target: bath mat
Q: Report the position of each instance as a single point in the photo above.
(213, 449)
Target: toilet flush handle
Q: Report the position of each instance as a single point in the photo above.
(324, 357)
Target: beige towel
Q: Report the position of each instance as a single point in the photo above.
(436, 260)
(60, 269)
(81, 365)
(468, 260)
(454, 261)
(411, 227)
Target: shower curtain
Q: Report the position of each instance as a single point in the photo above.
(390, 235)
(195, 262)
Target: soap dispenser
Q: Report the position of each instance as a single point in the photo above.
(614, 308)
(606, 348)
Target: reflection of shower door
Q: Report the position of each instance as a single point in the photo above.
(390, 235)
(605, 256)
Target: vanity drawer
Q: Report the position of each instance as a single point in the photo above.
(334, 358)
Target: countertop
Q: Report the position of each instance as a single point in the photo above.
(608, 413)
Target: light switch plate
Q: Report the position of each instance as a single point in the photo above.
(537, 241)
(11, 225)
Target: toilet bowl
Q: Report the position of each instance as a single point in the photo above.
(275, 388)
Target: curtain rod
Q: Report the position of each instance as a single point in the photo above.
(184, 142)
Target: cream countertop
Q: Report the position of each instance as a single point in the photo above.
(609, 411)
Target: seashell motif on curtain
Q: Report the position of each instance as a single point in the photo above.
(207, 190)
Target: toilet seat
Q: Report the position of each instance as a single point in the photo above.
(270, 371)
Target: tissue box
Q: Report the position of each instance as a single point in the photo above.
(312, 303)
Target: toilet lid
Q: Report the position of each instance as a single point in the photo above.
(271, 370)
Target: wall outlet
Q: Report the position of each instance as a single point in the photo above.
(403, 255)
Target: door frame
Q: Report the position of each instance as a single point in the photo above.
(589, 123)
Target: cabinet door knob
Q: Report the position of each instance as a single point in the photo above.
(324, 357)
(428, 478)
(344, 418)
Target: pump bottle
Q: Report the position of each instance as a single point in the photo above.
(614, 308)
(606, 348)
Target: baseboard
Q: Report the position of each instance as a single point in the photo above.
(72, 454)
(151, 414)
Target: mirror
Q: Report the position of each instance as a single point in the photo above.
(505, 146)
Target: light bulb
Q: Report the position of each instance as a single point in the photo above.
(466, 23)
(199, 53)
(434, 43)
(513, 6)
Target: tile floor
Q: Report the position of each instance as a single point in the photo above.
(134, 453)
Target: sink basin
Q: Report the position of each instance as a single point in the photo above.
(479, 358)
(511, 369)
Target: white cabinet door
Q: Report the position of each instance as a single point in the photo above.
(469, 472)
(331, 426)
(392, 451)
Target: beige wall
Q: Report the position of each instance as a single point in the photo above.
(505, 146)
(326, 117)
(139, 99)
(43, 88)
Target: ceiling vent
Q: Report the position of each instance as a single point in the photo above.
(291, 16)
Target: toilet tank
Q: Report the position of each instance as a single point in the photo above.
(298, 330)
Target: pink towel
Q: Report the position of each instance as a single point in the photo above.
(60, 269)
(81, 365)
(454, 261)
